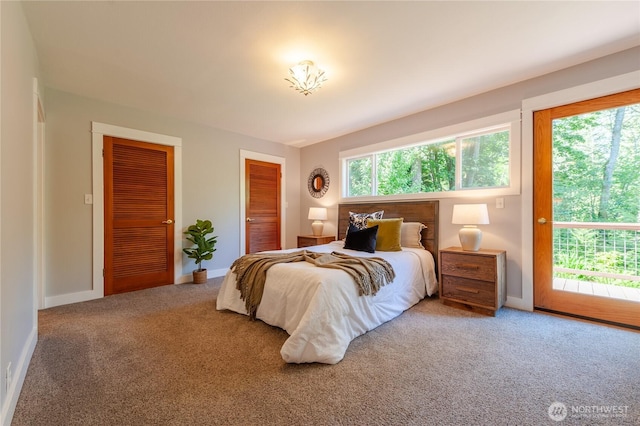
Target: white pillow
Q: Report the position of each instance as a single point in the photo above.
(410, 234)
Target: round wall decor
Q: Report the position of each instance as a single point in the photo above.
(318, 182)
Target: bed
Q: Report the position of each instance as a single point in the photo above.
(321, 308)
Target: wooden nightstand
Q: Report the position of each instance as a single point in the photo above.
(473, 280)
(312, 240)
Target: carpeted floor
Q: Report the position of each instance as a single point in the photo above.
(165, 356)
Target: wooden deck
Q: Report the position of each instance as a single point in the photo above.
(596, 289)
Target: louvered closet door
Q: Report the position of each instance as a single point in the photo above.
(262, 193)
(139, 229)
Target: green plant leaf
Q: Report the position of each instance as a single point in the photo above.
(197, 235)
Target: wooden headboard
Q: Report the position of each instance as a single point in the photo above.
(425, 212)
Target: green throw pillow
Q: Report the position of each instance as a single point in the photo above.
(388, 238)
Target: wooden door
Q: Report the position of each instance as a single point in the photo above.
(548, 294)
(262, 192)
(139, 206)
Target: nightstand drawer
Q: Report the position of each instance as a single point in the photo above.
(474, 280)
(474, 267)
(467, 290)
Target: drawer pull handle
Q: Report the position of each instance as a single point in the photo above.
(468, 266)
(469, 290)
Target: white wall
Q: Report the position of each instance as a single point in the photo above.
(505, 230)
(210, 176)
(18, 326)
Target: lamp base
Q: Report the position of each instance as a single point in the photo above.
(470, 238)
(317, 227)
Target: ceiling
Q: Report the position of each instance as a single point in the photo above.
(223, 64)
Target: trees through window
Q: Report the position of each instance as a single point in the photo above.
(470, 161)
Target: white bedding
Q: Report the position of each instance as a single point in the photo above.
(320, 307)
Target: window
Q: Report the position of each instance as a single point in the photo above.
(360, 176)
(475, 160)
(484, 160)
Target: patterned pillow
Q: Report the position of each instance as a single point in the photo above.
(359, 220)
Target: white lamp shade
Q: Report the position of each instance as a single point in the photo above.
(317, 213)
(470, 214)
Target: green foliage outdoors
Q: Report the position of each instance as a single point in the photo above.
(597, 179)
(485, 161)
(432, 167)
(204, 246)
(360, 177)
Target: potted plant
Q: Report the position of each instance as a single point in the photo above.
(203, 249)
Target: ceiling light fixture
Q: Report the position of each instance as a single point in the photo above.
(306, 77)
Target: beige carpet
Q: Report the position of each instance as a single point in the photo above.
(165, 356)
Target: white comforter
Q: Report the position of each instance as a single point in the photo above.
(320, 307)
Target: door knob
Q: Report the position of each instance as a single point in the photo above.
(542, 221)
(168, 221)
(250, 219)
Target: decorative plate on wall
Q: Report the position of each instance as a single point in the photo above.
(318, 182)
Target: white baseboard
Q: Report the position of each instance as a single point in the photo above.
(517, 303)
(19, 374)
(65, 299)
(211, 273)
(215, 273)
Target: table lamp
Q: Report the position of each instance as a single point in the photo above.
(317, 214)
(470, 215)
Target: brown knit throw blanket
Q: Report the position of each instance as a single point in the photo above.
(369, 273)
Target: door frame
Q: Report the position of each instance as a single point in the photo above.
(583, 92)
(99, 130)
(38, 188)
(249, 155)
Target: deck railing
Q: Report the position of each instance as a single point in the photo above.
(598, 252)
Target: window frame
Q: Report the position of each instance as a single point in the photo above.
(505, 121)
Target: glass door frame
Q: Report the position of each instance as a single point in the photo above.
(545, 296)
(605, 86)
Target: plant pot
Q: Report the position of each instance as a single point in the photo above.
(200, 277)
